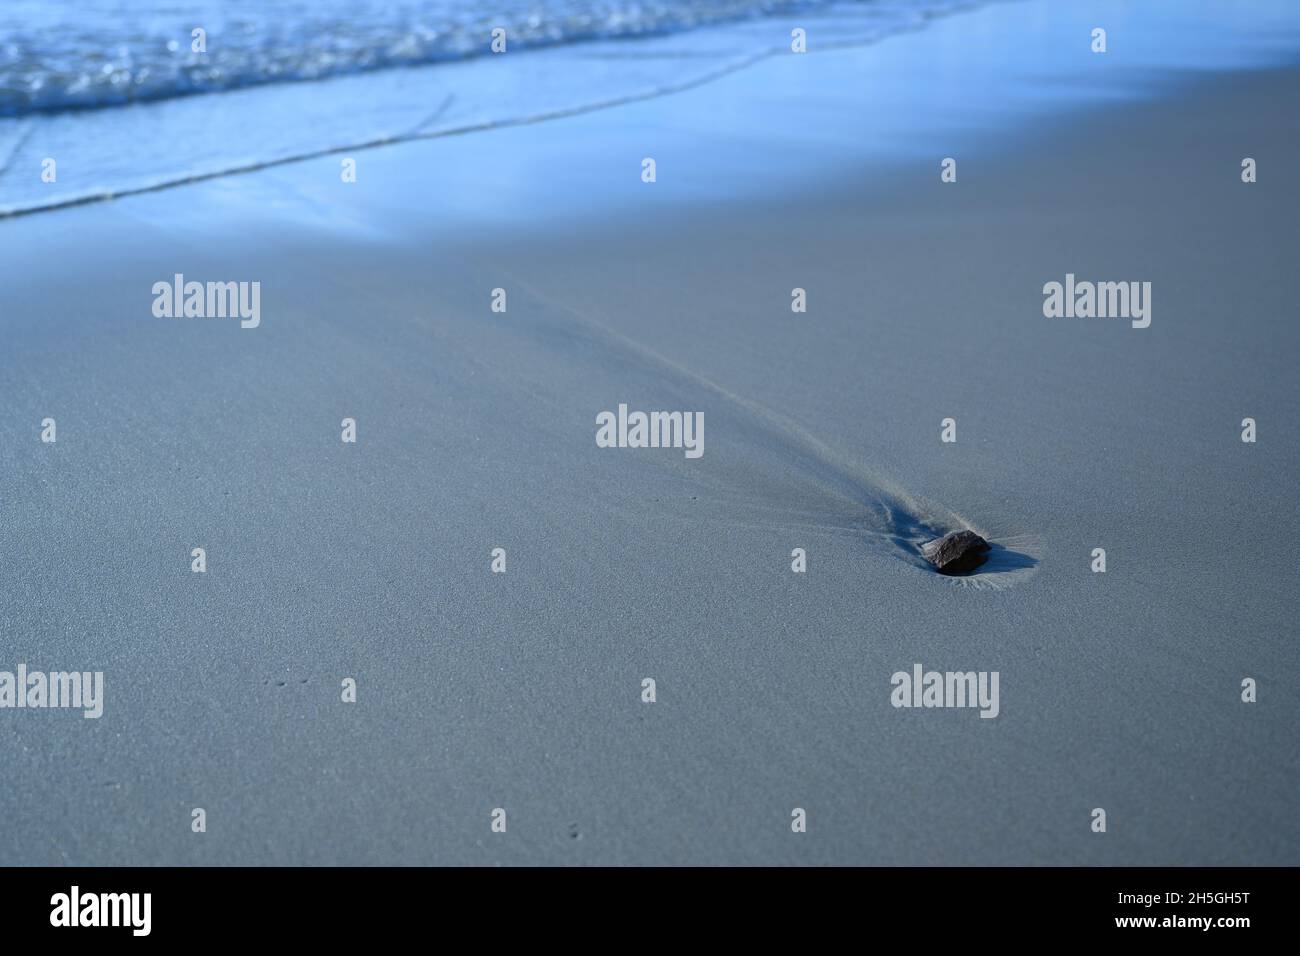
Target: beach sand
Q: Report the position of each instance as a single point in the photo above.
(476, 430)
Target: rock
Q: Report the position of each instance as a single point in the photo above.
(958, 552)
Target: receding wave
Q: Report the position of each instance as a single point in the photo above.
(57, 55)
(154, 143)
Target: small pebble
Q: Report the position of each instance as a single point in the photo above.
(958, 552)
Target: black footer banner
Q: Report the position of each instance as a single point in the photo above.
(336, 905)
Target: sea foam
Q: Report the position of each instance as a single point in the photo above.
(110, 92)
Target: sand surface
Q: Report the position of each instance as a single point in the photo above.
(476, 430)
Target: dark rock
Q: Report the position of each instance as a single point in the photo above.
(958, 552)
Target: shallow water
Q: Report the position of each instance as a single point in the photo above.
(99, 88)
(62, 54)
